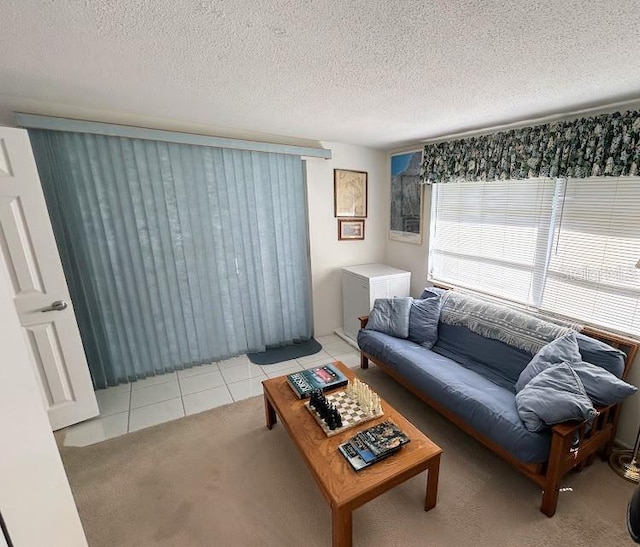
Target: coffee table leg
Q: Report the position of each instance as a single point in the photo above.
(341, 527)
(270, 413)
(432, 483)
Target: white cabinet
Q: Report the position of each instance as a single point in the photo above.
(362, 284)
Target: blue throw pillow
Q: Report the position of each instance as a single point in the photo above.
(391, 316)
(601, 354)
(562, 350)
(430, 292)
(601, 386)
(423, 321)
(554, 396)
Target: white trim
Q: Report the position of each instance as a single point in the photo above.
(35, 121)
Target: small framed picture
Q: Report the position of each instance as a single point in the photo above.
(349, 193)
(350, 229)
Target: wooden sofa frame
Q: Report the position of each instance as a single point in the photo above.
(565, 454)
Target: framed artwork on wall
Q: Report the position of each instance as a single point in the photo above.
(349, 193)
(350, 229)
(406, 222)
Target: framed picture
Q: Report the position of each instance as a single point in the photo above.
(349, 193)
(350, 229)
(406, 197)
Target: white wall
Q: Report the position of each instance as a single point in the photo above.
(328, 254)
(410, 256)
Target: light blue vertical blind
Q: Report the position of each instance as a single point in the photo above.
(176, 254)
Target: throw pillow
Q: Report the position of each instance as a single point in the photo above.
(423, 321)
(554, 396)
(391, 316)
(561, 350)
(601, 386)
(430, 292)
(601, 354)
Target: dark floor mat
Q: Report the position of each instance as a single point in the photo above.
(285, 353)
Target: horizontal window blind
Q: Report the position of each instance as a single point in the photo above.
(492, 236)
(592, 273)
(567, 247)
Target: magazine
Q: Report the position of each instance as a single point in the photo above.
(373, 444)
(325, 377)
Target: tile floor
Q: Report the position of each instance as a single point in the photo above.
(159, 399)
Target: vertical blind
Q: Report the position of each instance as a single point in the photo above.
(567, 247)
(176, 254)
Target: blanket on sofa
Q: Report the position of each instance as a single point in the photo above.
(491, 320)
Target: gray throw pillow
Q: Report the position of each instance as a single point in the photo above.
(423, 321)
(554, 396)
(562, 350)
(601, 386)
(391, 316)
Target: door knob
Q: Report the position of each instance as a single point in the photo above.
(58, 305)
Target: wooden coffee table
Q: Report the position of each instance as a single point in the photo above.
(343, 488)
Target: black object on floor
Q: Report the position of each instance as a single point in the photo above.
(284, 353)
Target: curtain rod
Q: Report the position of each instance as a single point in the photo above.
(35, 121)
(601, 109)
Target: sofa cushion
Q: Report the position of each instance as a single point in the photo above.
(423, 321)
(561, 350)
(391, 316)
(495, 360)
(486, 407)
(555, 395)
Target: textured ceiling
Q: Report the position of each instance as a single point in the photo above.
(372, 72)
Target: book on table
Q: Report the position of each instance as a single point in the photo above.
(373, 444)
(324, 378)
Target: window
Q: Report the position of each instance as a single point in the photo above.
(565, 247)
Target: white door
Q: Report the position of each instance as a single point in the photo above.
(35, 498)
(40, 291)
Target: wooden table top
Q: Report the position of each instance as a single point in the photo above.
(339, 483)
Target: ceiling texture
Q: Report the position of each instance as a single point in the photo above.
(378, 73)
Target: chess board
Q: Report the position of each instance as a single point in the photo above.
(349, 409)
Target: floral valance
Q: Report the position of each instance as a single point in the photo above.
(606, 145)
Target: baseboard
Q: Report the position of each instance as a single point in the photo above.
(347, 339)
(617, 443)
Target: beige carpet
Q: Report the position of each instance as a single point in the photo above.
(220, 478)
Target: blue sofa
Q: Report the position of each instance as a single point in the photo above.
(471, 379)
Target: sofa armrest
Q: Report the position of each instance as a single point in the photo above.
(567, 428)
(364, 319)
